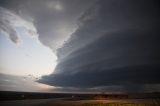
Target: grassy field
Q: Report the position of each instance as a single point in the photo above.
(103, 103)
(67, 99)
(76, 102)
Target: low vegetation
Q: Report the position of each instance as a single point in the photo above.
(100, 104)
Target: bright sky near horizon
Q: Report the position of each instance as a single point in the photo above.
(29, 57)
(23, 56)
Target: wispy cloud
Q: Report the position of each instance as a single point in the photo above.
(10, 22)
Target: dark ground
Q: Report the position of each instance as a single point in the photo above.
(68, 99)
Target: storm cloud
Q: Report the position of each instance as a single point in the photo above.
(99, 44)
(116, 43)
(118, 58)
(53, 25)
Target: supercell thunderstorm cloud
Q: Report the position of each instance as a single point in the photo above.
(102, 44)
(116, 43)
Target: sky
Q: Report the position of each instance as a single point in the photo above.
(80, 46)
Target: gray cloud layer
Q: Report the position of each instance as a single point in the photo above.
(116, 43)
(54, 26)
(116, 58)
(19, 83)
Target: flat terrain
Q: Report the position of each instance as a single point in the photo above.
(69, 102)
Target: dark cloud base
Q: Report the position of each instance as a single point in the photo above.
(118, 58)
(147, 74)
